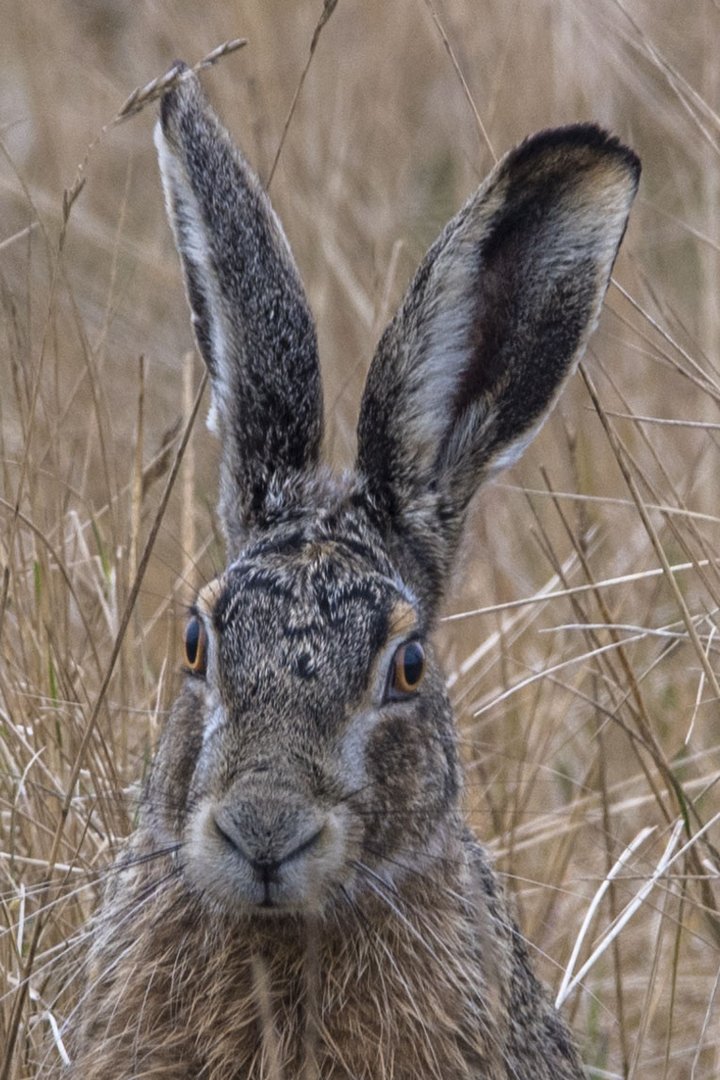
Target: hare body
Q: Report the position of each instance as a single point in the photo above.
(302, 897)
(442, 990)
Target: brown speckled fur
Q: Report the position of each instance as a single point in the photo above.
(302, 898)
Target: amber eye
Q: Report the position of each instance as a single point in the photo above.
(408, 668)
(195, 646)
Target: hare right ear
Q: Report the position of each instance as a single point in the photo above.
(251, 319)
(494, 322)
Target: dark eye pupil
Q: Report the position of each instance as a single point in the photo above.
(192, 641)
(413, 663)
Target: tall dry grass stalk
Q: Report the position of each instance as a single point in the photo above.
(582, 638)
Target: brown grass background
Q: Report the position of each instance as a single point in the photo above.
(587, 716)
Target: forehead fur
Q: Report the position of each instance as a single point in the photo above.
(303, 612)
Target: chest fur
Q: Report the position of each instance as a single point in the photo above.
(400, 999)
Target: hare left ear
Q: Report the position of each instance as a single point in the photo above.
(496, 319)
(251, 319)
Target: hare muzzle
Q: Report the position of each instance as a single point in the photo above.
(270, 852)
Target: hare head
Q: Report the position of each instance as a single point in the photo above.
(313, 748)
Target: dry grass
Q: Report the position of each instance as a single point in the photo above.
(584, 661)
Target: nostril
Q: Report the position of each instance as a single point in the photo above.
(304, 845)
(231, 840)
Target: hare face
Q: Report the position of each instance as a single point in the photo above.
(325, 747)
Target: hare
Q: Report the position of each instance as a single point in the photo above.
(302, 897)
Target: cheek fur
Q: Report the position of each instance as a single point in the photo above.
(413, 776)
(214, 716)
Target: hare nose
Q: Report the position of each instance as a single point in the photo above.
(267, 842)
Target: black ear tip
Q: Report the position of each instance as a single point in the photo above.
(574, 138)
(597, 138)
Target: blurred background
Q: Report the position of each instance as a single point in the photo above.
(580, 636)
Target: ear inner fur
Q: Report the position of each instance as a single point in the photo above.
(495, 320)
(250, 314)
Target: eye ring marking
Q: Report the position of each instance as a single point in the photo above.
(407, 670)
(195, 644)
